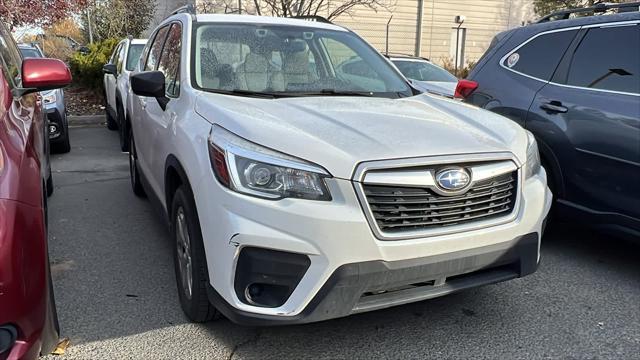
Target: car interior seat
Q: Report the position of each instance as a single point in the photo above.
(296, 67)
(214, 74)
(257, 73)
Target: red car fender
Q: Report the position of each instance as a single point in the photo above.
(23, 274)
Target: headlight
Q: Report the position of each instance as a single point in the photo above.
(255, 170)
(49, 98)
(533, 157)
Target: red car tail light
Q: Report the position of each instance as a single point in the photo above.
(465, 88)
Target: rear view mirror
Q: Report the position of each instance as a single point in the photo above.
(109, 69)
(150, 84)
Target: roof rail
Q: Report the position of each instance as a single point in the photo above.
(316, 18)
(600, 7)
(187, 9)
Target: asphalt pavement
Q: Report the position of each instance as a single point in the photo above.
(117, 298)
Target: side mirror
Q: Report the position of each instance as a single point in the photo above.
(41, 74)
(150, 84)
(109, 69)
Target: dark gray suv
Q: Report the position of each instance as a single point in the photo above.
(575, 84)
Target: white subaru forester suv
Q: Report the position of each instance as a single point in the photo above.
(299, 189)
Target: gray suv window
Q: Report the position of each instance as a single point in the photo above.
(606, 59)
(540, 56)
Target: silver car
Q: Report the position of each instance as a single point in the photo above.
(53, 101)
(425, 75)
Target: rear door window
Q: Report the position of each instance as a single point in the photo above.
(540, 56)
(114, 56)
(120, 58)
(170, 61)
(607, 59)
(156, 49)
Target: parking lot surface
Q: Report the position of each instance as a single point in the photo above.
(116, 292)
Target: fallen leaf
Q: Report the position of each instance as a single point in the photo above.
(62, 347)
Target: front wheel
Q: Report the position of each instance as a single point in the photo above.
(189, 258)
(134, 172)
(64, 144)
(111, 122)
(123, 131)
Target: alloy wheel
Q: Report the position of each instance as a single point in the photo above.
(183, 243)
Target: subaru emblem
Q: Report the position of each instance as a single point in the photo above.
(453, 179)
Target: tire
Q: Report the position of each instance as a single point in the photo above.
(50, 185)
(123, 131)
(51, 331)
(51, 328)
(64, 146)
(111, 122)
(190, 261)
(134, 172)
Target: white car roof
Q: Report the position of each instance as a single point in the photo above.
(394, 58)
(138, 41)
(252, 19)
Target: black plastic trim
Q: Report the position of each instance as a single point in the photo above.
(274, 273)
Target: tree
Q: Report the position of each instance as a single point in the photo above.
(61, 39)
(327, 8)
(37, 13)
(117, 18)
(545, 7)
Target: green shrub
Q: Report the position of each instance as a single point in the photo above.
(87, 69)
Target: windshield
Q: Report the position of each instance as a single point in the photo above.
(30, 53)
(290, 61)
(133, 56)
(423, 71)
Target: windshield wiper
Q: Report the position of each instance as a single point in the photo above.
(247, 93)
(281, 94)
(332, 92)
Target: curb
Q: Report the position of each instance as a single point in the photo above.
(78, 120)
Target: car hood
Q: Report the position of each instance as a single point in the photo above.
(439, 87)
(340, 132)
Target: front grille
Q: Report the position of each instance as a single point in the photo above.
(397, 209)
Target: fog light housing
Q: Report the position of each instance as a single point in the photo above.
(266, 278)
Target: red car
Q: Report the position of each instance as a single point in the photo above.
(28, 321)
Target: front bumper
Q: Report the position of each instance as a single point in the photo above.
(373, 285)
(349, 267)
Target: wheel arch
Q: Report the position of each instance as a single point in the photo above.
(174, 177)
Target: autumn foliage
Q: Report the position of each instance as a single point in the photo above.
(37, 12)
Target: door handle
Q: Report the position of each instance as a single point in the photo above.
(143, 104)
(554, 106)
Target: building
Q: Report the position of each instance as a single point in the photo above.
(429, 28)
(163, 9)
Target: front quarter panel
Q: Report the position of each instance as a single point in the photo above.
(22, 147)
